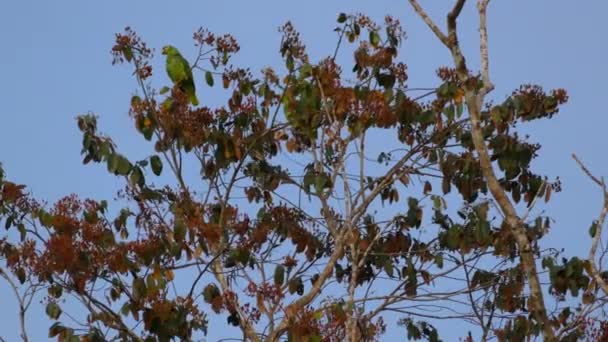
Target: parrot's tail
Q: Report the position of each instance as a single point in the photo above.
(194, 100)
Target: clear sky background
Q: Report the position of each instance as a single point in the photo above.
(55, 64)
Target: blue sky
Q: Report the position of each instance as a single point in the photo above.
(56, 64)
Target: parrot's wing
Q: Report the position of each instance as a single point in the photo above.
(180, 73)
(178, 69)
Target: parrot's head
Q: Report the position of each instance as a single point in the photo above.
(170, 50)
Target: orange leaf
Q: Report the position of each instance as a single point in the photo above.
(12, 191)
(458, 96)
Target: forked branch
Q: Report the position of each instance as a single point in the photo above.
(598, 225)
(475, 100)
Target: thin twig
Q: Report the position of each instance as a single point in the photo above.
(599, 224)
(22, 306)
(587, 172)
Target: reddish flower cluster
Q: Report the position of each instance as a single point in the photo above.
(130, 48)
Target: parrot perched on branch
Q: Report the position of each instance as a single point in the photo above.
(180, 73)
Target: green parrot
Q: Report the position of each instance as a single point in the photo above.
(179, 72)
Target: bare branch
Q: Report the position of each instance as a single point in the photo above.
(22, 306)
(587, 172)
(599, 224)
(488, 86)
(452, 17)
(430, 23)
(537, 304)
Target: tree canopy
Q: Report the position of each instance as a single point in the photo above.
(298, 228)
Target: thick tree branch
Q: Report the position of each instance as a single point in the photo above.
(451, 40)
(474, 101)
(429, 22)
(452, 17)
(536, 303)
(482, 6)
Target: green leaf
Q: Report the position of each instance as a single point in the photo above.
(127, 52)
(319, 184)
(124, 166)
(112, 163)
(314, 338)
(137, 177)
(437, 205)
(55, 291)
(388, 267)
(243, 256)
(21, 275)
(125, 309)
(53, 310)
(445, 185)
(342, 18)
(339, 270)
(433, 336)
(209, 78)
(118, 165)
(179, 232)
(482, 233)
(444, 90)
(386, 80)
(164, 90)
(150, 194)
(374, 38)
(413, 332)
(593, 229)
(459, 110)
(45, 218)
(309, 179)
(439, 260)
(279, 275)
(8, 223)
(156, 164)
(56, 329)
(449, 112)
(234, 319)
(139, 288)
(245, 87)
(548, 263)
(69, 336)
(210, 292)
(22, 231)
(105, 148)
(305, 70)
(103, 206)
(296, 285)
(289, 63)
(95, 336)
